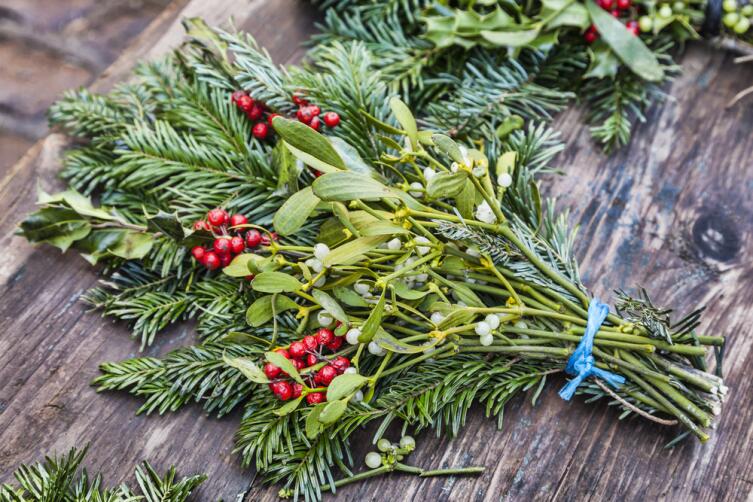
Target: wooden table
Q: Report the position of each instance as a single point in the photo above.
(672, 212)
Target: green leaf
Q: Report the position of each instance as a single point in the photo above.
(78, 202)
(345, 385)
(288, 407)
(466, 199)
(168, 224)
(248, 368)
(333, 411)
(449, 147)
(284, 364)
(351, 251)
(330, 305)
(510, 124)
(241, 265)
(404, 291)
(383, 126)
(350, 297)
(58, 226)
(389, 342)
(519, 38)
(295, 211)
(303, 138)
(381, 227)
(373, 322)
(405, 117)
(313, 426)
(261, 312)
(351, 157)
(630, 49)
(133, 245)
(466, 294)
(604, 63)
(275, 282)
(446, 184)
(456, 318)
(569, 13)
(347, 186)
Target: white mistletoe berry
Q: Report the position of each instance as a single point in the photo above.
(504, 180)
(362, 288)
(376, 349)
(486, 340)
(352, 336)
(429, 173)
(492, 320)
(482, 328)
(437, 317)
(373, 460)
(422, 250)
(418, 189)
(321, 251)
(394, 244)
(324, 318)
(350, 370)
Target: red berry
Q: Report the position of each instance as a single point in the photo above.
(623, 4)
(304, 115)
(271, 370)
(325, 375)
(341, 364)
(315, 110)
(316, 124)
(309, 342)
(324, 336)
(335, 343)
(237, 245)
(271, 117)
(317, 173)
(217, 217)
(633, 27)
(238, 219)
(260, 130)
(299, 100)
(311, 359)
(245, 103)
(315, 398)
(225, 259)
(266, 239)
(222, 245)
(211, 260)
(299, 364)
(250, 277)
(297, 390)
(284, 353)
(255, 112)
(331, 119)
(201, 225)
(606, 4)
(297, 350)
(237, 95)
(198, 252)
(615, 13)
(253, 238)
(591, 34)
(283, 390)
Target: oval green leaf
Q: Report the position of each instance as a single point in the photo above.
(344, 385)
(275, 282)
(295, 211)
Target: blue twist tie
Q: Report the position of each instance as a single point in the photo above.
(581, 363)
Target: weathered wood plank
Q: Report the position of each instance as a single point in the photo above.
(670, 213)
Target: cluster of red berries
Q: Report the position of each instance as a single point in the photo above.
(225, 245)
(617, 8)
(312, 116)
(255, 111)
(305, 353)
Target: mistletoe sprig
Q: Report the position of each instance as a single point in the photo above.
(613, 55)
(412, 275)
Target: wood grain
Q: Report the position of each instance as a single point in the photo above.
(671, 212)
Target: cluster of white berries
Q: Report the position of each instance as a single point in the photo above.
(317, 262)
(354, 334)
(484, 329)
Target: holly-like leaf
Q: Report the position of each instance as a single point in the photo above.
(295, 211)
(275, 282)
(516, 38)
(261, 311)
(566, 13)
(630, 49)
(76, 201)
(59, 226)
(604, 63)
(168, 224)
(133, 245)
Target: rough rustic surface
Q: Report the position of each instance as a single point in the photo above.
(671, 213)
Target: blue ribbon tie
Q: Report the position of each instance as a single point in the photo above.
(581, 363)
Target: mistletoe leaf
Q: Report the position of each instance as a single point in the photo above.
(351, 251)
(313, 426)
(630, 49)
(330, 305)
(389, 342)
(241, 265)
(261, 312)
(407, 120)
(284, 364)
(288, 407)
(295, 211)
(247, 368)
(302, 139)
(344, 385)
(448, 146)
(518, 38)
(373, 322)
(275, 282)
(333, 411)
(346, 186)
(446, 184)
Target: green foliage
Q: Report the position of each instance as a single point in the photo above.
(60, 479)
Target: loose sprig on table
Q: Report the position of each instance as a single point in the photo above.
(379, 271)
(612, 55)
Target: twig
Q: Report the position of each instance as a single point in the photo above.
(632, 407)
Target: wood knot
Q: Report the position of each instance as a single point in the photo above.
(716, 236)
